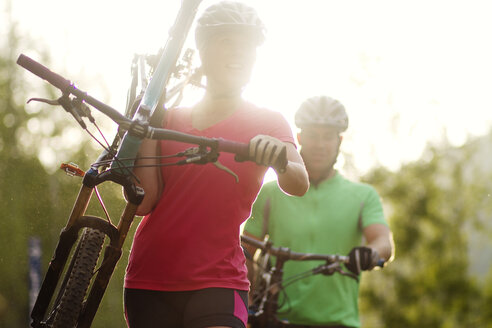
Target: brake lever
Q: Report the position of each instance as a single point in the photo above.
(330, 269)
(327, 269)
(46, 101)
(348, 274)
(221, 166)
(199, 155)
(67, 104)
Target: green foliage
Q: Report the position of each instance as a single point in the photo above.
(36, 199)
(431, 206)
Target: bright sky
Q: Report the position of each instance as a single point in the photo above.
(408, 72)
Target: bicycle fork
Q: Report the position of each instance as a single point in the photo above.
(69, 236)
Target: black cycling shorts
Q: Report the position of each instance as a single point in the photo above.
(187, 309)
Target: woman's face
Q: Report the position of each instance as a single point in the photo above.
(227, 61)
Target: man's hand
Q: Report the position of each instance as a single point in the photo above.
(265, 149)
(362, 258)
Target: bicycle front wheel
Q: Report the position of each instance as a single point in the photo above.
(73, 293)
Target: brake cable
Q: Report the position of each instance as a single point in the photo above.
(76, 107)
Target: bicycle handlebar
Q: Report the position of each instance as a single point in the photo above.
(265, 295)
(67, 87)
(287, 253)
(239, 148)
(43, 72)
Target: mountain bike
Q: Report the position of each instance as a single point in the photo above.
(73, 287)
(269, 281)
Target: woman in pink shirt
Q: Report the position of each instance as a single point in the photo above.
(186, 267)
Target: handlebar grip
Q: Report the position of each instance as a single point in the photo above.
(239, 148)
(242, 152)
(43, 72)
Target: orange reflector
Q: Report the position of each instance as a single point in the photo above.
(72, 169)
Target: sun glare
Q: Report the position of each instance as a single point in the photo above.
(408, 73)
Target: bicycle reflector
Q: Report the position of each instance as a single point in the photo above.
(72, 169)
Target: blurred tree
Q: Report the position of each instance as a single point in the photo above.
(21, 198)
(35, 199)
(434, 207)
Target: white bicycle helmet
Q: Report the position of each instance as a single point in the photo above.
(322, 110)
(228, 15)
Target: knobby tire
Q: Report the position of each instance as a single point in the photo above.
(73, 293)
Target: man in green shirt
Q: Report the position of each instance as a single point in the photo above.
(333, 217)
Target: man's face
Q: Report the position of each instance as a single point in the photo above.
(228, 60)
(319, 147)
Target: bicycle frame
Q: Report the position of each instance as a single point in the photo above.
(165, 67)
(263, 312)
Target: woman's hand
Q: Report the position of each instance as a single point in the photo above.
(293, 178)
(265, 150)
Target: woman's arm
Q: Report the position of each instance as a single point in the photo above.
(150, 177)
(294, 181)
